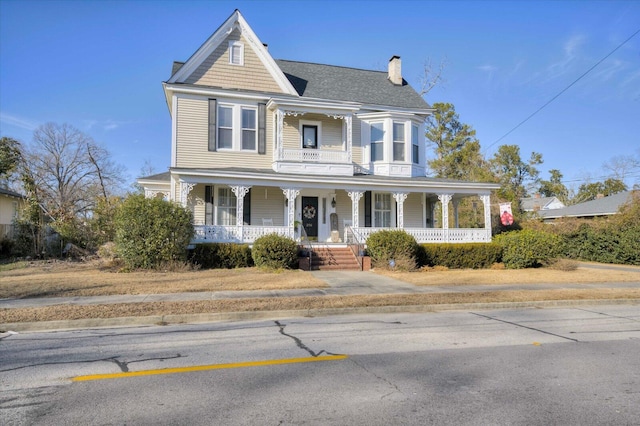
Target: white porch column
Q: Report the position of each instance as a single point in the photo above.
(185, 189)
(348, 121)
(486, 202)
(400, 197)
(279, 151)
(445, 199)
(240, 192)
(291, 194)
(355, 207)
(455, 213)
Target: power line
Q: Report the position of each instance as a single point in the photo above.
(563, 90)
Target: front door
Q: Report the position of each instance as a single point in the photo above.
(310, 216)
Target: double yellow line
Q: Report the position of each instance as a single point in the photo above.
(208, 367)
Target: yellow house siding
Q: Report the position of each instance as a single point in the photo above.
(192, 147)
(216, 70)
(331, 131)
(413, 211)
(356, 140)
(267, 203)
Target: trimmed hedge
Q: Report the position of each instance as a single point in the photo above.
(462, 256)
(387, 245)
(275, 251)
(528, 248)
(222, 256)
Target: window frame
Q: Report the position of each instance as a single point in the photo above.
(378, 143)
(397, 141)
(415, 144)
(375, 210)
(240, 46)
(231, 209)
(310, 123)
(237, 129)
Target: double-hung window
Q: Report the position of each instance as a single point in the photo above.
(225, 127)
(398, 141)
(382, 210)
(249, 129)
(237, 127)
(377, 142)
(415, 152)
(225, 207)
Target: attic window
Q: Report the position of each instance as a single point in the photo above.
(236, 53)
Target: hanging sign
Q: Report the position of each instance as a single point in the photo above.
(506, 217)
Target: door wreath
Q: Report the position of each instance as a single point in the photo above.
(309, 212)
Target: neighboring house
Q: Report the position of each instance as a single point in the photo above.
(10, 204)
(537, 203)
(605, 206)
(261, 146)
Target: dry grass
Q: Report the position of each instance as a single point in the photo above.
(49, 279)
(71, 312)
(56, 279)
(581, 275)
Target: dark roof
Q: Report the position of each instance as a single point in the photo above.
(10, 193)
(599, 207)
(349, 84)
(164, 176)
(176, 66)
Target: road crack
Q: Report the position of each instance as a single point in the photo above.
(524, 326)
(299, 342)
(393, 385)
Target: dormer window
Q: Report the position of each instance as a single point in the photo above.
(236, 53)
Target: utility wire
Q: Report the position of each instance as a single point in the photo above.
(563, 90)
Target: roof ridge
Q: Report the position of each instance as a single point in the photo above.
(330, 65)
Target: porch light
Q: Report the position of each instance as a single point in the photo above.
(333, 202)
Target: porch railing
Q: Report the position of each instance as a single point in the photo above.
(231, 233)
(315, 155)
(249, 233)
(438, 235)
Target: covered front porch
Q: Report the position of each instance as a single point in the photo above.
(229, 210)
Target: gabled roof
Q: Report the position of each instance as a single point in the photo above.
(349, 84)
(164, 177)
(599, 207)
(236, 20)
(537, 203)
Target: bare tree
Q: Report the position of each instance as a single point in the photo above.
(431, 76)
(70, 170)
(621, 166)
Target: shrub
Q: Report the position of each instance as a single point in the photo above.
(563, 264)
(215, 256)
(387, 245)
(151, 231)
(461, 256)
(528, 248)
(275, 251)
(6, 248)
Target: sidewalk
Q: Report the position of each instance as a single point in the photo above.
(341, 283)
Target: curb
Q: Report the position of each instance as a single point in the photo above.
(259, 315)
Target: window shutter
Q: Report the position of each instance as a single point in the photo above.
(246, 214)
(213, 111)
(262, 132)
(367, 209)
(208, 212)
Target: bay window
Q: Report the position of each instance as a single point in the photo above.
(415, 152)
(398, 141)
(377, 141)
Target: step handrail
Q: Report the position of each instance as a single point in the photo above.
(356, 243)
(306, 244)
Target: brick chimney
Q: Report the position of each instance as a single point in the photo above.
(395, 70)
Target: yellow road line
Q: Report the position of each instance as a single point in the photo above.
(208, 367)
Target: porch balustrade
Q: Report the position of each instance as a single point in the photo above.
(231, 234)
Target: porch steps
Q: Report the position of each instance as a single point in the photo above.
(326, 258)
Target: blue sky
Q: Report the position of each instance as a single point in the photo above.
(98, 65)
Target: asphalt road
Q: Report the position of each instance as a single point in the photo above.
(569, 366)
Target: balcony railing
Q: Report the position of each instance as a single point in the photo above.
(315, 155)
(437, 235)
(234, 234)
